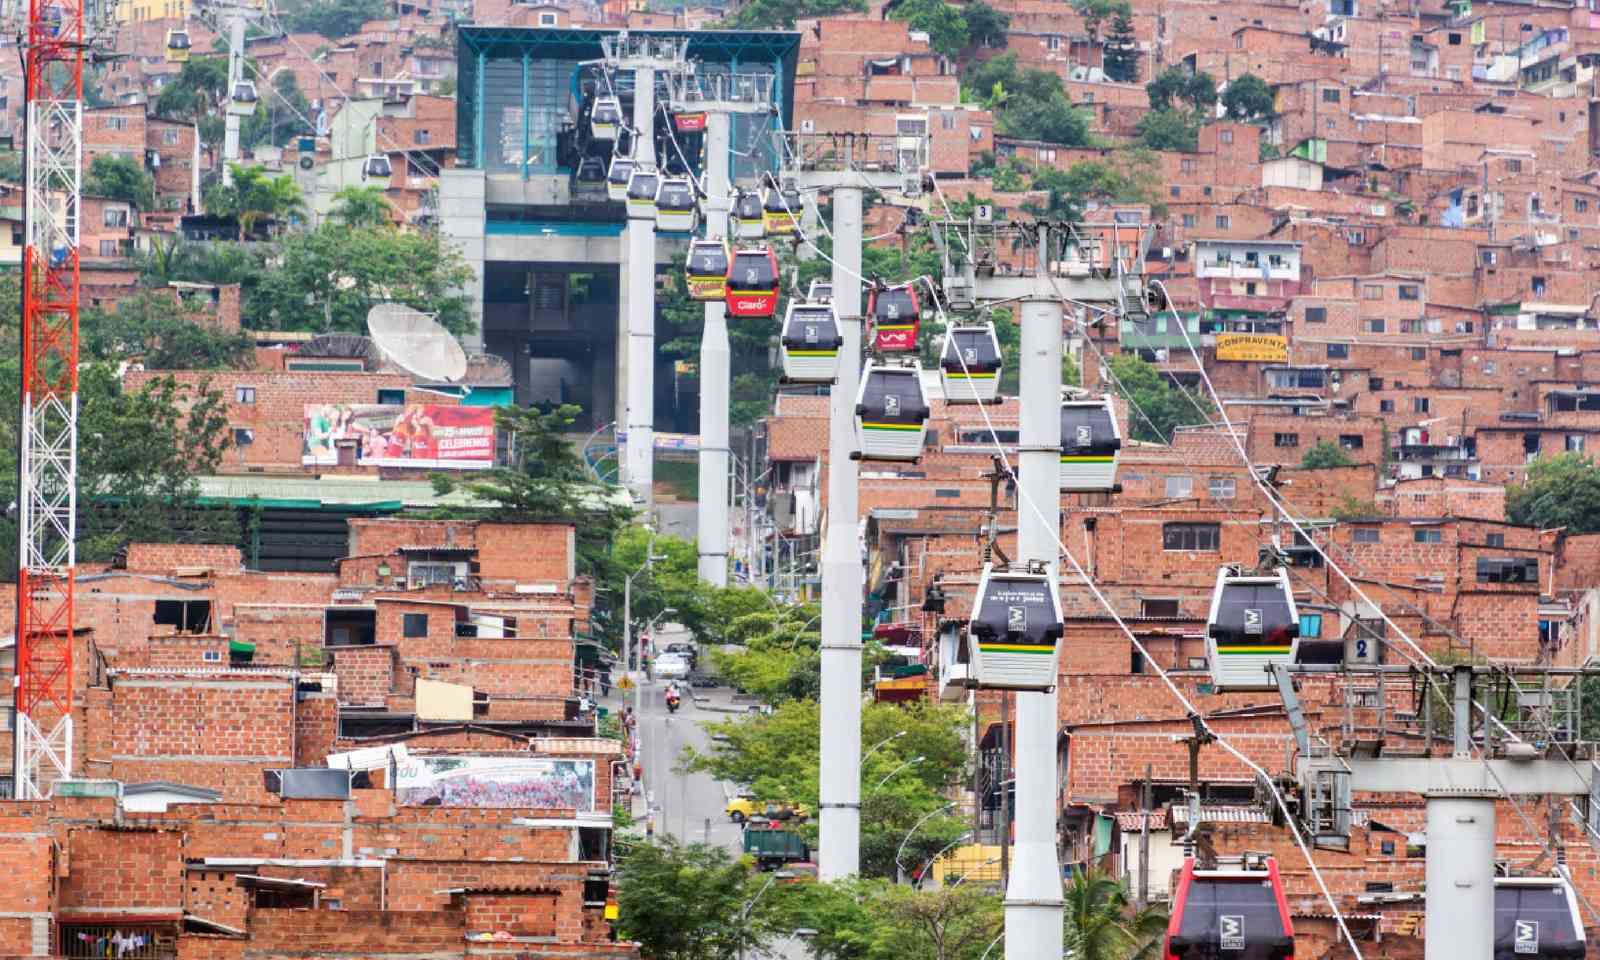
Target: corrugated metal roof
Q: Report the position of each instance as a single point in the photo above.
(1133, 822)
(1221, 814)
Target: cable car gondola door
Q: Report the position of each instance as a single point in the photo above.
(1536, 918)
(810, 344)
(895, 317)
(1015, 631)
(1253, 622)
(891, 412)
(1091, 442)
(969, 367)
(1236, 914)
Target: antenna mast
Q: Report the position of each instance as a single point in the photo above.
(56, 45)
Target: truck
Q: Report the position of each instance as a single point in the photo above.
(774, 846)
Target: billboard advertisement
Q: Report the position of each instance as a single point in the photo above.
(468, 781)
(1262, 347)
(394, 435)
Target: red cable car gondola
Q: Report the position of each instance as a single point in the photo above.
(895, 314)
(753, 283)
(1239, 913)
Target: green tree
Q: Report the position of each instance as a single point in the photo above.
(1178, 88)
(692, 902)
(1130, 176)
(328, 278)
(986, 26)
(121, 178)
(1324, 456)
(334, 19)
(945, 26)
(1168, 130)
(1560, 491)
(279, 114)
(362, 207)
(1030, 104)
(1097, 12)
(1167, 405)
(1102, 923)
(880, 920)
(777, 755)
(197, 95)
(255, 200)
(1071, 375)
(11, 166)
(771, 14)
(1247, 98)
(1121, 54)
(152, 327)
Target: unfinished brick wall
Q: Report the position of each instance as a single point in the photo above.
(316, 728)
(28, 897)
(527, 552)
(279, 632)
(419, 884)
(278, 934)
(122, 868)
(384, 536)
(164, 558)
(366, 674)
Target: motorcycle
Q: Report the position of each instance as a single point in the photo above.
(672, 703)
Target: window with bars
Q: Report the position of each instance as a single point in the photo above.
(1191, 536)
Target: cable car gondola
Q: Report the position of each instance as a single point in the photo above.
(706, 270)
(810, 343)
(891, 411)
(1253, 622)
(895, 313)
(642, 186)
(780, 211)
(749, 222)
(589, 181)
(752, 285)
(242, 99)
(617, 176)
(604, 118)
(1015, 630)
(1091, 444)
(676, 210)
(821, 291)
(969, 367)
(177, 46)
(376, 169)
(1236, 913)
(1536, 917)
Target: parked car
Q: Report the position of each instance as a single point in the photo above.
(670, 666)
(774, 847)
(686, 649)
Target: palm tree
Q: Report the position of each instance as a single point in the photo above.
(362, 207)
(1102, 924)
(253, 197)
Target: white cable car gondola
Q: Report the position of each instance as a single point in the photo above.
(604, 118)
(589, 181)
(780, 211)
(748, 219)
(969, 367)
(1237, 913)
(1016, 629)
(642, 186)
(242, 99)
(676, 209)
(706, 270)
(617, 176)
(1091, 443)
(376, 169)
(891, 411)
(810, 343)
(1253, 622)
(1537, 917)
(821, 291)
(177, 46)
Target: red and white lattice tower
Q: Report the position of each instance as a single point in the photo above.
(56, 45)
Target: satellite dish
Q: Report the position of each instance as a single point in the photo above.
(415, 342)
(488, 368)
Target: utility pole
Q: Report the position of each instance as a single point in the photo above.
(230, 132)
(1144, 840)
(842, 579)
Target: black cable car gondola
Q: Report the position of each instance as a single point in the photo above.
(642, 185)
(1015, 630)
(780, 211)
(676, 208)
(891, 411)
(749, 221)
(1091, 443)
(1253, 622)
(821, 291)
(376, 169)
(752, 286)
(1239, 914)
(617, 176)
(706, 270)
(1537, 917)
(589, 181)
(604, 118)
(969, 366)
(895, 314)
(810, 343)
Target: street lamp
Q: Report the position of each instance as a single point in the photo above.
(744, 912)
(912, 762)
(935, 858)
(900, 850)
(650, 557)
(880, 743)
